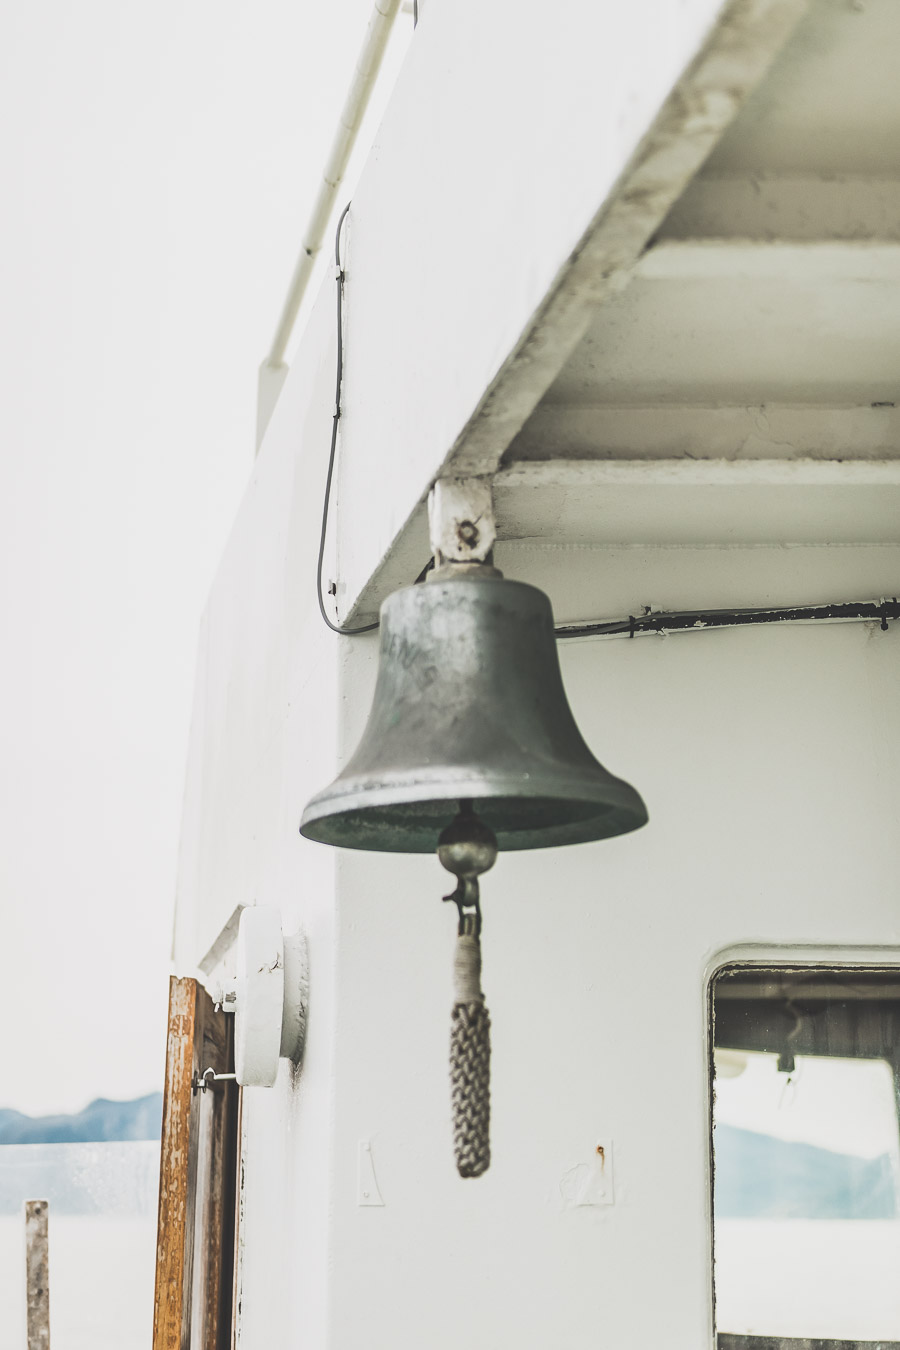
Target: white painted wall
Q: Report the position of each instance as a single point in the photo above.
(767, 761)
(264, 735)
(766, 758)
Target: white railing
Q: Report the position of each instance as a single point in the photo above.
(274, 369)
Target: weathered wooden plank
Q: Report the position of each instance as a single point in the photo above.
(215, 1222)
(195, 1240)
(174, 1242)
(236, 1272)
(37, 1274)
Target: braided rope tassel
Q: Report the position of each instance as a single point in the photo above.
(470, 1057)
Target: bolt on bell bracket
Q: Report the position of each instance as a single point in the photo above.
(461, 521)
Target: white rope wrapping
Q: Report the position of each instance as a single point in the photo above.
(467, 969)
(470, 1058)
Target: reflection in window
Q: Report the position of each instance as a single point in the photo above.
(806, 1156)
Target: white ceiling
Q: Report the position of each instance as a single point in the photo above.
(764, 320)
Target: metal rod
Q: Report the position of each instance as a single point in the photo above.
(364, 76)
(201, 1082)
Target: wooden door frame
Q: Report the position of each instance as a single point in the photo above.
(196, 1233)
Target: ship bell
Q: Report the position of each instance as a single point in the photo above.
(469, 708)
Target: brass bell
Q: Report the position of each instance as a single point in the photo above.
(469, 706)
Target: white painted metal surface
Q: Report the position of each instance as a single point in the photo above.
(575, 137)
(560, 430)
(763, 318)
(754, 324)
(687, 501)
(766, 760)
(830, 106)
(766, 756)
(790, 209)
(772, 337)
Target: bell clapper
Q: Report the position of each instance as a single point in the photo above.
(468, 848)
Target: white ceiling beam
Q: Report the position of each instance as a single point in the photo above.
(585, 430)
(702, 105)
(789, 209)
(574, 475)
(816, 261)
(686, 503)
(683, 503)
(745, 322)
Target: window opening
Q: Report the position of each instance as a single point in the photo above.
(806, 1154)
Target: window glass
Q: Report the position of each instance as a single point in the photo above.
(806, 1154)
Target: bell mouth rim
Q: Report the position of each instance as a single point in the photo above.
(617, 809)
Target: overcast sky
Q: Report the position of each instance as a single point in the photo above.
(157, 163)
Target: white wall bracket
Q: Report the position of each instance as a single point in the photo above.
(461, 520)
(267, 995)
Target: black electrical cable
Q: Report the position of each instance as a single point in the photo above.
(696, 620)
(680, 621)
(336, 417)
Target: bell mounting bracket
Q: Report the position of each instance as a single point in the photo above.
(461, 521)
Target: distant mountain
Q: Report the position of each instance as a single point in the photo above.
(102, 1160)
(99, 1122)
(761, 1177)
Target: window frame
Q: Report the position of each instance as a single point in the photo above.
(751, 958)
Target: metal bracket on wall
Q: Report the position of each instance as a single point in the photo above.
(461, 520)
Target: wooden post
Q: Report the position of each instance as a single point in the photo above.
(37, 1274)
